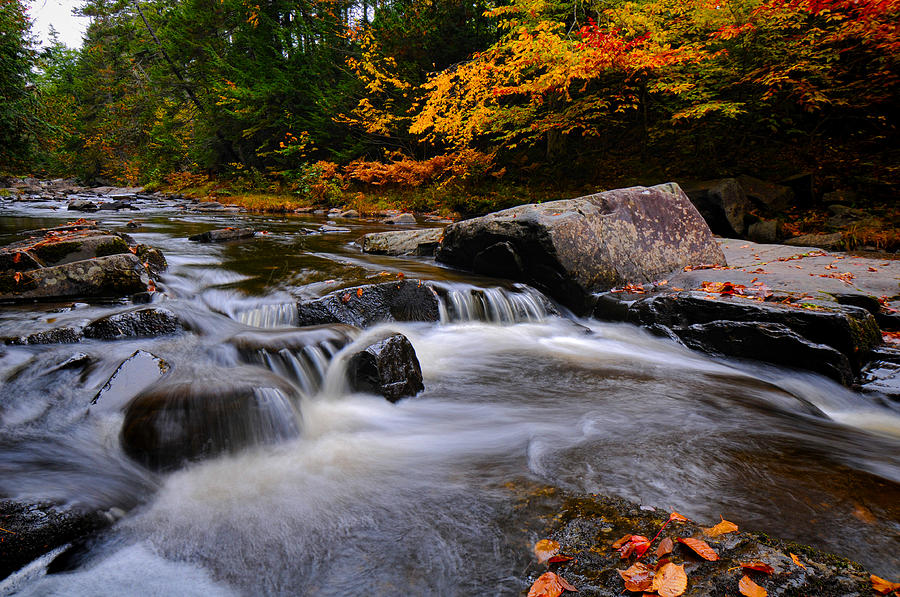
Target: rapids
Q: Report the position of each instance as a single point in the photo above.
(415, 497)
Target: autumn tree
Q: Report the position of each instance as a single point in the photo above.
(16, 101)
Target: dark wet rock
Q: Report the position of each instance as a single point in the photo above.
(768, 342)
(33, 529)
(774, 197)
(850, 330)
(400, 219)
(64, 335)
(765, 231)
(153, 258)
(82, 205)
(821, 241)
(17, 260)
(586, 526)
(148, 322)
(45, 251)
(881, 375)
(856, 299)
(134, 374)
(723, 204)
(329, 228)
(337, 335)
(402, 242)
(223, 235)
(363, 306)
(191, 415)
(209, 206)
(80, 226)
(133, 225)
(574, 248)
(388, 367)
(112, 276)
(116, 206)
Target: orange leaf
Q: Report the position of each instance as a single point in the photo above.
(883, 587)
(638, 577)
(359, 292)
(797, 560)
(559, 559)
(545, 549)
(757, 566)
(670, 581)
(636, 544)
(549, 584)
(749, 588)
(701, 547)
(17, 257)
(346, 298)
(722, 528)
(17, 277)
(620, 542)
(677, 517)
(665, 547)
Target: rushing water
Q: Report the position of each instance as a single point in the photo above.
(378, 498)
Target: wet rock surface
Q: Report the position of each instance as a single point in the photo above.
(112, 276)
(135, 373)
(150, 322)
(33, 529)
(364, 306)
(586, 526)
(403, 242)
(573, 248)
(388, 367)
(223, 235)
(881, 374)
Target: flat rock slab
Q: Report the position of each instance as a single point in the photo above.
(403, 242)
(223, 235)
(115, 275)
(574, 248)
(800, 270)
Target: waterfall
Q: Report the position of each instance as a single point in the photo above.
(521, 303)
(272, 315)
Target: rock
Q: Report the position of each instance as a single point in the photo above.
(81, 225)
(112, 276)
(153, 259)
(223, 235)
(82, 205)
(402, 242)
(774, 197)
(767, 342)
(803, 185)
(350, 213)
(821, 241)
(196, 414)
(851, 331)
(765, 231)
(388, 367)
(840, 196)
(842, 215)
(33, 529)
(400, 219)
(573, 248)
(363, 306)
(881, 375)
(134, 374)
(64, 335)
(148, 322)
(327, 228)
(209, 206)
(77, 247)
(115, 206)
(337, 335)
(723, 204)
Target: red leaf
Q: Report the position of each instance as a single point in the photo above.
(757, 566)
(359, 292)
(721, 529)
(559, 559)
(346, 298)
(17, 257)
(677, 517)
(701, 548)
(665, 547)
(636, 544)
(638, 577)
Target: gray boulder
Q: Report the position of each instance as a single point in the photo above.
(723, 204)
(111, 276)
(820, 241)
(774, 197)
(400, 219)
(223, 235)
(574, 248)
(403, 242)
(363, 306)
(388, 367)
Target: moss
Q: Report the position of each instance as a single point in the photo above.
(113, 247)
(55, 252)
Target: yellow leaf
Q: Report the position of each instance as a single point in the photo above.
(670, 581)
(748, 588)
(722, 528)
(545, 549)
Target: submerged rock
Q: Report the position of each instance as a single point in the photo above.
(191, 415)
(363, 306)
(63, 335)
(574, 248)
(112, 276)
(134, 374)
(149, 322)
(223, 235)
(32, 529)
(388, 367)
(403, 242)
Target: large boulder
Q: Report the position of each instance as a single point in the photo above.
(191, 415)
(45, 251)
(723, 204)
(111, 276)
(388, 367)
(363, 306)
(772, 196)
(403, 242)
(147, 322)
(574, 248)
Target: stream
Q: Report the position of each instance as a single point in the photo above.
(415, 497)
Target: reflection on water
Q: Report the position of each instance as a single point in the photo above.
(380, 498)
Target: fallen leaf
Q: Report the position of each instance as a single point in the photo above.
(864, 514)
(359, 292)
(559, 559)
(636, 544)
(670, 581)
(621, 541)
(678, 517)
(749, 588)
(17, 277)
(665, 547)
(757, 566)
(346, 298)
(151, 287)
(545, 549)
(17, 257)
(797, 560)
(638, 577)
(549, 584)
(722, 528)
(883, 587)
(701, 547)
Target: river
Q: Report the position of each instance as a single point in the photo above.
(415, 497)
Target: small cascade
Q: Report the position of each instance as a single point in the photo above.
(521, 303)
(273, 315)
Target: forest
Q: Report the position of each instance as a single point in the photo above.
(456, 104)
